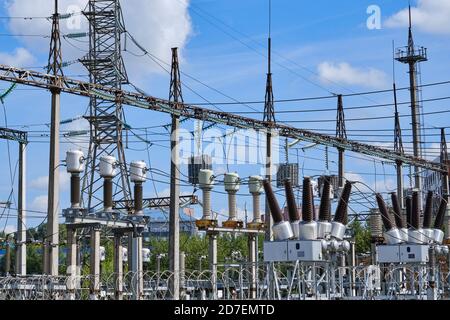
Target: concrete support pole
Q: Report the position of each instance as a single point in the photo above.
(7, 257)
(21, 250)
(212, 257)
(267, 216)
(373, 251)
(136, 266)
(182, 275)
(352, 265)
(174, 217)
(95, 263)
(341, 172)
(399, 167)
(118, 266)
(52, 240)
(432, 293)
(342, 272)
(252, 256)
(72, 266)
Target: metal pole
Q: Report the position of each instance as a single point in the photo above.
(174, 219)
(182, 275)
(72, 261)
(432, 290)
(252, 261)
(136, 265)
(175, 96)
(267, 216)
(52, 239)
(7, 257)
(55, 67)
(341, 168)
(400, 196)
(353, 268)
(21, 251)
(212, 256)
(118, 266)
(158, 264)
(415, 126)
(95, 263)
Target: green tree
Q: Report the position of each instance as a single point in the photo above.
(361, 234)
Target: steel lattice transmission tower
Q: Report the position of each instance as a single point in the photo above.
(106, 67)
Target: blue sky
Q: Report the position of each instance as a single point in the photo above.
(319, 47)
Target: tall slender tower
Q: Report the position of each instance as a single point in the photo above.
(106, 67)
(51, 242)
(269, 117)
(445, 183)
(412, 55)
(398, 148)
(176, 98)
(341, 133)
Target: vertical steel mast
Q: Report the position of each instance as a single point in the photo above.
(269, 117)
(175, 97)
(106, 67)
(412, 56)
(51, 241)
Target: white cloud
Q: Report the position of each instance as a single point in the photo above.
(166, 193)
(21, 57)
(240, 214)
(157, 25)
(345, 74)
(41, 183)
(74, 133)
(39, 204)
(10, 229)
(431, 16)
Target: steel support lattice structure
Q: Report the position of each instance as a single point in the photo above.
(106, 67)
(86, 89)
(21, 247)
(160, 202)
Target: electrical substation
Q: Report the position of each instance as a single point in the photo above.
(299, 232)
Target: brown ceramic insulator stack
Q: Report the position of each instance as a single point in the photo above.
(408, 203)
(75, 190)
(415, 212)
(324, 210)
(107, 194)
(387, 221)
(439, 222)
(312, 203)
(307, 213)
(397, 211)
(273, 203)
(341, 211)
(291, 204)
(428, 214)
